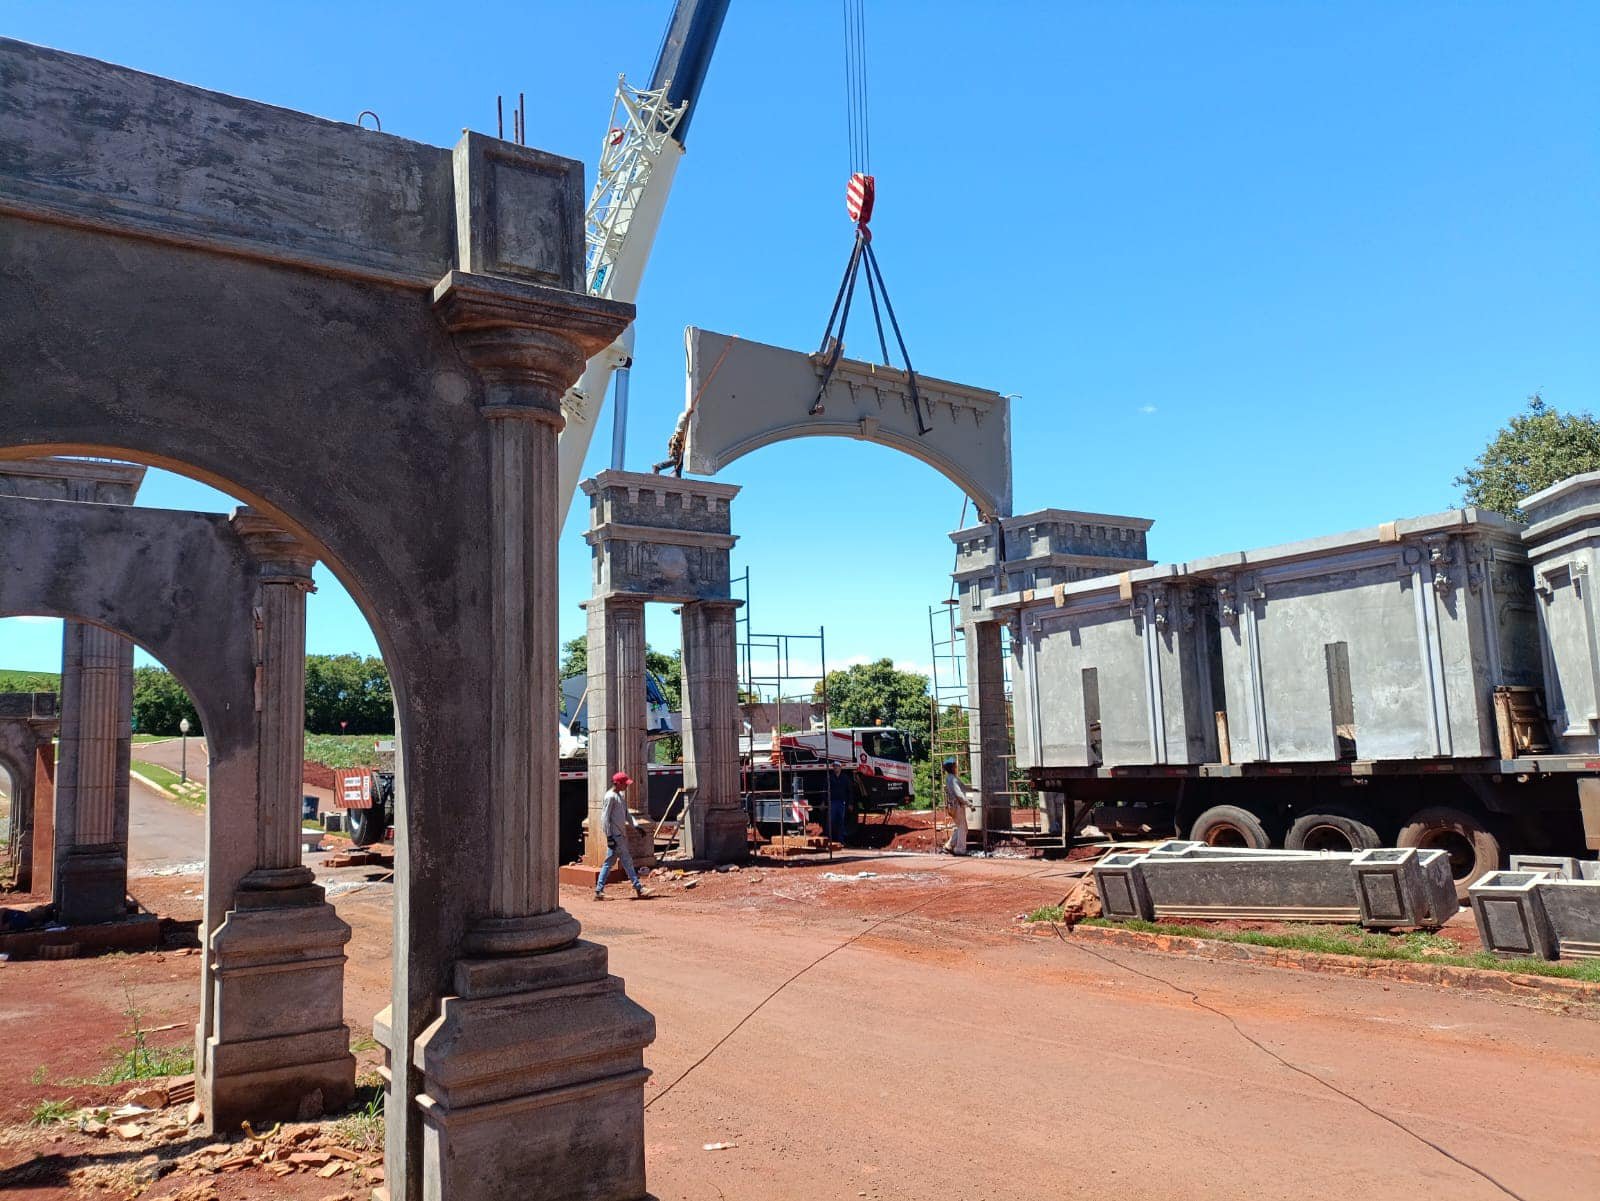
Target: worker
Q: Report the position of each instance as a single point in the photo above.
(617, 821)
(839, 788)
(955, 803)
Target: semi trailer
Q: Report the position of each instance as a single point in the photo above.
(1431, 682)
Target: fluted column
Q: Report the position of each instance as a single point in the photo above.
(988, 739)
(616, 704)
(91, 826)
(283, 583)
(715, 826)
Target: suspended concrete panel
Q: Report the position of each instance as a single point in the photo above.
(746, 395)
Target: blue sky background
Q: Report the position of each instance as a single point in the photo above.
(1258, 271)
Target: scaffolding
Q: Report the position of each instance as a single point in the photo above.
(786, 683)
(950, 723)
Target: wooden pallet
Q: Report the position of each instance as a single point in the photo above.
(786, 846)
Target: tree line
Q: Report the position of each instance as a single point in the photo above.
(345, 694)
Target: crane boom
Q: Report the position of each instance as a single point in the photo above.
(644, 141)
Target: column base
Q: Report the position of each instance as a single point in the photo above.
(716, 835)
(92, 886)
(534, 1082)
(641, 845)
(280, 1050)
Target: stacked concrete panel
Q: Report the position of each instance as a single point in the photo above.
(1382, 643)
(1563, 541)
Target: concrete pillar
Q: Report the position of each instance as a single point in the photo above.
(536, 1058)
(617, 720)
(42, 840)
(988, 739)
(715, 825)
(91, 818)
(275, 1043)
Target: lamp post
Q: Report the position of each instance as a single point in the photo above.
(183, 729)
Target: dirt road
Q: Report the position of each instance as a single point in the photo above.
(944, 1054)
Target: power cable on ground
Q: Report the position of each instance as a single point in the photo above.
(1293, 1067)
(882, 921)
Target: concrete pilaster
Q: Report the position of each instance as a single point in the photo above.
(715, 825)
(274, 1044)
(536, 1055)
(616, 702)
(91, 801)
(988, 739)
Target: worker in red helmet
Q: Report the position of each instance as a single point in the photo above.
(616, 822)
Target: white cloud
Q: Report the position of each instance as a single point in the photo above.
(1147, 409)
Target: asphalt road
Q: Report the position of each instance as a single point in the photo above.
(170, 755)
(162, 834)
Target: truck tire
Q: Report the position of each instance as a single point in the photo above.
(1331, 830)
(366, 825)
(1473, 847)
(1230, 826)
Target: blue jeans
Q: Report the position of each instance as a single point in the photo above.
(617, 852)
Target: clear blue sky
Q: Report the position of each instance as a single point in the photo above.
(1258, 271)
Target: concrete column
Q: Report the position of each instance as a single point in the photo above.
(42, 859)
(715, 825)
(617, 720)
(275, 1045)
(988, 740)
(91, 820)
(536, 1057)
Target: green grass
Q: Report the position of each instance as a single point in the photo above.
(48, 1113)
(363, 1129)
(192, 794)
(343, 750)
(363, 1044)
(152, 738)
(12, 680)
(1414, 947)
(148, 1063)
(1047, 913)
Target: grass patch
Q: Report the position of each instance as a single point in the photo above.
(141, 1061)
(1048, 913)
(343, 750)
(1416, 946)
(12, 680)
(192, 793)
(363, 1129)
(48, 1113)
(152, 738)
(363, 1044)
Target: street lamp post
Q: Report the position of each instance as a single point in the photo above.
(183, 728)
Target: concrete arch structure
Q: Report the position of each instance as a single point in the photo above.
(28, 726)
(370, 349)
(195, 591)
(745, 395)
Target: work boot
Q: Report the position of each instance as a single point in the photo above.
(599, 895)
(639, 892)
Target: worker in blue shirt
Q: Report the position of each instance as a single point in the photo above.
(839, 789)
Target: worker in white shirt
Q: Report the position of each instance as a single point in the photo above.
(616, 820)
(955, 803)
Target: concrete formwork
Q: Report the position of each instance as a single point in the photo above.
(29, 723)
(660, 538)
(221, 601)
(367, 339)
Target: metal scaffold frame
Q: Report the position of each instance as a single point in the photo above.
(781, 648)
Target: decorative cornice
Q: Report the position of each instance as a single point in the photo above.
(282, 557)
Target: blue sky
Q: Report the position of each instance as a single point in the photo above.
(1258, 271)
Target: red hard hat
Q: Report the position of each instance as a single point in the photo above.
(622, 777)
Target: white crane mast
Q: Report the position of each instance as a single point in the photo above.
(637, 164)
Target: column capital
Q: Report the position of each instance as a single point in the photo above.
(282, 557)
(528, 342)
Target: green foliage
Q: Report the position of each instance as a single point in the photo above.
(346, 750)
(1539, 447)
(363, 1129)
(353, 689)
(192, 793)
(49, 1113)
(666, 668)
(869, 693)
(160, 703)
(1415, 946)
(1047, 913)
(142, 1061)
(575, 657)
(29, 681)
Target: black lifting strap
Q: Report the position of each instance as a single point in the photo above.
(833, 336)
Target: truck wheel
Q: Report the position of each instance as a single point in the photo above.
(1230, 826)
(1334, 830)
(1473, 848)
(366, 825)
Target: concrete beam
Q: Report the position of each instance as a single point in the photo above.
(746, 395)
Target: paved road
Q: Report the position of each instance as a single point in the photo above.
(169, 754)
(163, 834)
(944, 1055)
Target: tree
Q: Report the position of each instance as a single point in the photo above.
(666, 668)
(1539, 447)
(351, 689)
(575, 657)
(160, 703)
(869, 693)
